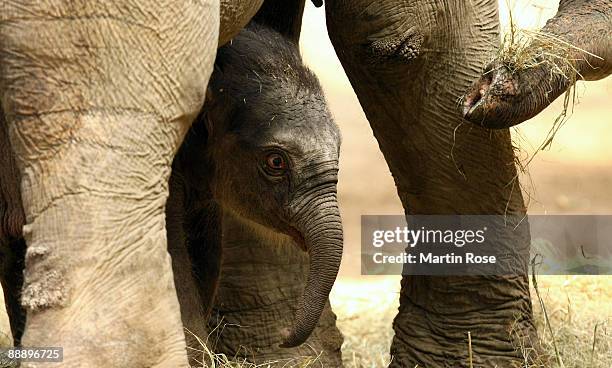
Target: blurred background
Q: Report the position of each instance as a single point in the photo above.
(574, 175)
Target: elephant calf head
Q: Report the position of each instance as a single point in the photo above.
(269, 140)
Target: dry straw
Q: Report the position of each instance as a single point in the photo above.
(207, 358)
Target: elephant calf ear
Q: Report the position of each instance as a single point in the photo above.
(218, 104)
(284, 16)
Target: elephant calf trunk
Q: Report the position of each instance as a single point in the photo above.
(324, 241)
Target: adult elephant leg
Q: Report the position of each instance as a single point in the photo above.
(258, 293)
(409, 63)
(11, 211)
(98, 96)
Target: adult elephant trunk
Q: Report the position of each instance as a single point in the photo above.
(98, 96)
(320, 224)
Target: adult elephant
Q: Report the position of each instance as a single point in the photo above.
(410, 62)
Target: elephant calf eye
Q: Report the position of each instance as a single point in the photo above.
(276, 164)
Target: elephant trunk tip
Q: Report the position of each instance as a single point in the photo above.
(503, 98)
(475, 102)
(292, 338)
(473, 99)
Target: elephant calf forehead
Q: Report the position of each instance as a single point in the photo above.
(298, 124)
(276, 98)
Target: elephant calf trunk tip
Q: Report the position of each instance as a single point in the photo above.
(290, 340)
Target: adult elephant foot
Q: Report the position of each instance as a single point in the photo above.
(578, 38)
(437, 313)
(258, 294)
(409, 63)
(98, 97)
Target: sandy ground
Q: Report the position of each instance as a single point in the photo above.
(573, 176)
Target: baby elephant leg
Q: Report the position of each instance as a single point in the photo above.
(195, 250)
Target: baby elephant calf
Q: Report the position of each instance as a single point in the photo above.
(265, 149)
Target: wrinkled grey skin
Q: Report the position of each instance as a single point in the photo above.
(409, 62)
(264, 105)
